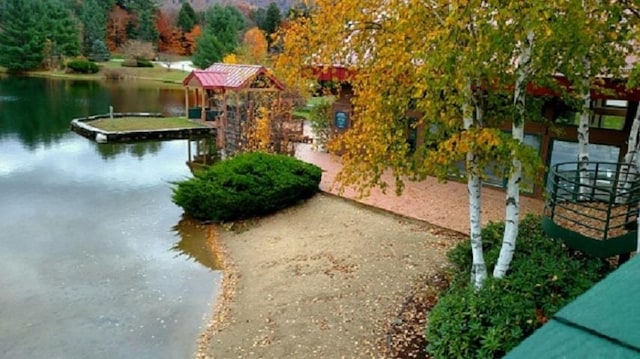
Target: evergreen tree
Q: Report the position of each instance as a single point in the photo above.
(144, 13)
(61, 29)
(272, 19)
(187, 17)
(208, 50)
(99, 51)
(3, 9)
(21, 37)
(147, 30)
(226, 23)
(257, 16)
(223, 25)
(93, 16)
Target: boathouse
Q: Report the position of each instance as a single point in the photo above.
(227, 96)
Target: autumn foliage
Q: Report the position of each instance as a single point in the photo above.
(117, 23)
(271, 127)
(255, 45)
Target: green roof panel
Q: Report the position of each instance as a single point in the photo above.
(556, 340)
(604, 322)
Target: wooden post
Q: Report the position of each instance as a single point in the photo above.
(221, 123)
(203, 113)
(186, 101)
(189, 150)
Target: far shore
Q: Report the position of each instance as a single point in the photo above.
(163, 74)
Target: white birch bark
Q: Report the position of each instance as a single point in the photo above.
(512, 215)
(474, 187)
(628, 172)
(583, 132)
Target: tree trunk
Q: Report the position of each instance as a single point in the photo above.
(629, 171)
(474, 186)
(512, 216)
(583, 133)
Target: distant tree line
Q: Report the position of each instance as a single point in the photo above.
(41, 34)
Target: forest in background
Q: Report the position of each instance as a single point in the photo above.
(37, 34)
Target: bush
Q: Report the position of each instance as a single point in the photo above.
(83, 66)
(488, 323)
(136, 63)
(145, 63)
(247, 185)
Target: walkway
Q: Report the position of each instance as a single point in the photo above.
(442, 204)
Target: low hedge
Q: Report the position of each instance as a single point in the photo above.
(83, 66)
(247, 185)
(145, 63)
(544, 277)
(136, 63)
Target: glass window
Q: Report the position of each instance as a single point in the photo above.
(495, 175)
(616, 103)
(607, 114)
(535, 141)
(610, 122)
(566, 151)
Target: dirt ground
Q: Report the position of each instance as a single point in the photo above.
(328, 278)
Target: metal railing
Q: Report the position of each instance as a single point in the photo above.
(601, 202)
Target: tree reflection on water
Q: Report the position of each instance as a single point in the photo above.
(197, 242)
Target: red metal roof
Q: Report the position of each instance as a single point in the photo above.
(206, 79)
(229, 77)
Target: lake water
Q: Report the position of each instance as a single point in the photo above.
(95, 259)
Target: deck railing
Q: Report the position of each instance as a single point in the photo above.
(601, 203)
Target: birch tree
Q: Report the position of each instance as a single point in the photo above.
(533, 46)
(555, 28)
(596, 43)
(512, 219)
(447, 69)
(440, 69)
(629, 171)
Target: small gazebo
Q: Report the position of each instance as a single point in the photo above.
(224, 97)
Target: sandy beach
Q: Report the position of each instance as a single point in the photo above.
(323, 279)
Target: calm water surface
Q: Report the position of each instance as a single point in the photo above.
(95, 261)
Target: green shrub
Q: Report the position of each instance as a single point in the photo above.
(131, 62)
(145, 63)
(247, 185)
(544, 276)
(83, 66)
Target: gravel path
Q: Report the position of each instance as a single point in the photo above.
(319, 280)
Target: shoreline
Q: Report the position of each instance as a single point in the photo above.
(321, 261)
(157, 77)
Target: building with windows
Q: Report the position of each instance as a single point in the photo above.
(613, 108)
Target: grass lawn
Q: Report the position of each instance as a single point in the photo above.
(155, 73)
(170, 77)
(143, 123)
